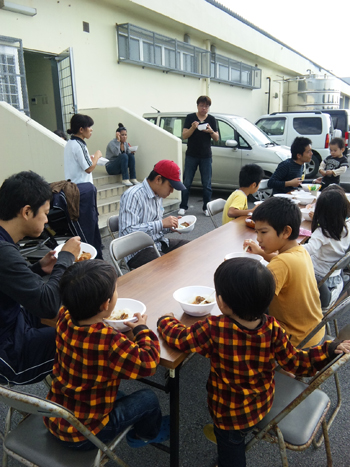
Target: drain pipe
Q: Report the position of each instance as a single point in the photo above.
(268, 93)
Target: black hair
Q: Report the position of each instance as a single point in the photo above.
(121, 127)
(250, 173)
(153, 175)
(204, 100)
(246, 286)
(331, 211)
(61, 134)
(79, 121)
(299, 145)
(278, 213)
(85, 286)
(22, 189)
(339, 142)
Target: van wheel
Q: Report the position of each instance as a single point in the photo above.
(311, 169)
(265, 193)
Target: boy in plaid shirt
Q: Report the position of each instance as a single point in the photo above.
(92, 358)
(243, 345)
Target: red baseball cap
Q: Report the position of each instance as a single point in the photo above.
(170, 171)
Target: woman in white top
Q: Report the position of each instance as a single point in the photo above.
(330, 237)
(78, 164)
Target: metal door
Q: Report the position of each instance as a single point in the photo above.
(65, 69)
(13, 85)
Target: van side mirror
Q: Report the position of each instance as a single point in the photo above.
(232, 143)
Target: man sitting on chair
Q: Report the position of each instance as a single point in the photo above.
(141, 209)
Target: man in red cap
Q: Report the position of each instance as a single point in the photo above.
(141, 209)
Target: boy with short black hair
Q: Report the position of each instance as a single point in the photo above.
(242, 344)
(334, 165)
(296, 304)
(237, 204)
(92, 358)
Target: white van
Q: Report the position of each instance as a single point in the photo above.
(284, 127)
(240, 143)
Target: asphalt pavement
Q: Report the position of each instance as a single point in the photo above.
(195, 449)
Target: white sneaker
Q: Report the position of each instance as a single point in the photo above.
(134, 181)
(126, 182)
(206, 213)
(181, 212)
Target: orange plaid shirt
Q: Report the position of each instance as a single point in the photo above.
(241, 382)
(90, 361)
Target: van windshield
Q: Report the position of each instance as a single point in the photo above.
(253, 131)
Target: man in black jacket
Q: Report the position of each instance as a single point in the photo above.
(27, 347)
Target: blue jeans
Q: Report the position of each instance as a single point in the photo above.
(231, 447)
(123, 164)
(141, 409)
(191, 164)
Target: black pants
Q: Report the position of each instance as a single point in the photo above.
(148, 254)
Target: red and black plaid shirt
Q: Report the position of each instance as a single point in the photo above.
(241, 381)
(90, 361)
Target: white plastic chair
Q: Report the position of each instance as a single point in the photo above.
(131, 243)
(215, 207)
(31, 443)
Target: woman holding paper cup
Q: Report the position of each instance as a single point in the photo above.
(121, 159)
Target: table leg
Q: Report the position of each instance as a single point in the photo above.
(174, 387)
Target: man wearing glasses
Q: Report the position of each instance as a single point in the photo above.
(199, 129)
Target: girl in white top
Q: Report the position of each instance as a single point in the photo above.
(330, 237)
(78, 164)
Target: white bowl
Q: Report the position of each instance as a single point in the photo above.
(311, 187)
(84, 247)
(186, 295)
(283, 195)
(305, 214)
(242, 254)
(305, 199)
(257, 203)
(190, 219)
(134, 306)
(348, 196)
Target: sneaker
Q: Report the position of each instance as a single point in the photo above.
(206, 213)
(134, 181)
(208, 431)
(181, 212)
(163, 435)
(126, 182)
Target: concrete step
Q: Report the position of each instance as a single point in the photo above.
(106, 179)
(110, 190)
(109, 205)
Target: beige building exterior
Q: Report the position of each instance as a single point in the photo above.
(140, 55)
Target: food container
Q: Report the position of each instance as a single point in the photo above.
(250, 223)
(190, 220)
(84, 247)
(186, 295)
(242, 254)
(306, 214)
(132, 306)
(311, 187)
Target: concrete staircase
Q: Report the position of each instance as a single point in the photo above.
(109, 191)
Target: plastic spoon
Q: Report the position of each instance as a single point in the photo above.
(206, 298)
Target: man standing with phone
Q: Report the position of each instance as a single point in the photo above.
(199, 128)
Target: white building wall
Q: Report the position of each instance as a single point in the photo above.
(102, 82)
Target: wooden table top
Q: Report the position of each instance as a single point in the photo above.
(192, 264)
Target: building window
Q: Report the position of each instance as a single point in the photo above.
(147, 48)
(226, 70)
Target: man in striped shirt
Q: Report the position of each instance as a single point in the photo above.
(141, 209)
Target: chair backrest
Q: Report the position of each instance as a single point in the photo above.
(214, 207)
(131, 243)
(36, 405)
(113, 225)
(343, 307)
(339, 265)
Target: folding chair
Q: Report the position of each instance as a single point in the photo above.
(214, 207)
(31, 443)
(113, 226)
(331, 315)
(329, 298)
(298, 411)
(124, 246)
